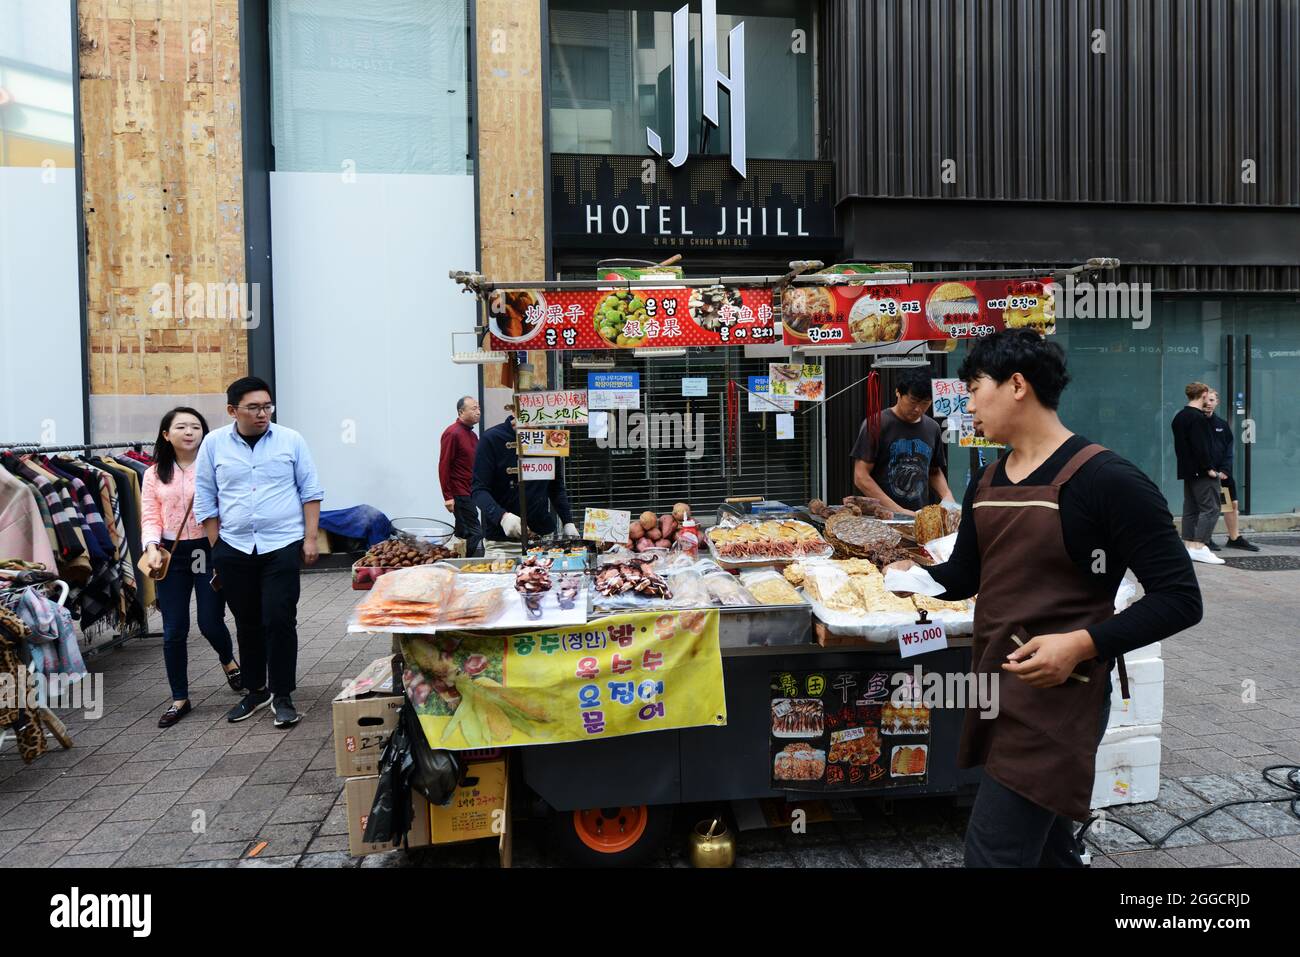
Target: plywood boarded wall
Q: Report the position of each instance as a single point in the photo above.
(512, 191)
(163, 173)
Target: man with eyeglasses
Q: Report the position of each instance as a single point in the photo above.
(258, 497)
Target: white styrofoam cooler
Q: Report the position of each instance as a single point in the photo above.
(1128, 766)
(1146, 685)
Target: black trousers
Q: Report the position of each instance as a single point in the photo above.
(467, 526)
(262, 593)
(1008, 830)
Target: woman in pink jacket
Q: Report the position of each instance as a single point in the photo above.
(168, 499)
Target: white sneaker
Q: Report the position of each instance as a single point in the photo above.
(1203, 554)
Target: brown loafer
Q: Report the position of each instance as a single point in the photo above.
(235, 679)
(174, 714)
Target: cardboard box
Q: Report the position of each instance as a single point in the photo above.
(477, 809)
(360, 796)
(361, 729)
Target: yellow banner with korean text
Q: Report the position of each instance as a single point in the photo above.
(643, 671)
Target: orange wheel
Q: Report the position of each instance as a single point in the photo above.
(611, 830)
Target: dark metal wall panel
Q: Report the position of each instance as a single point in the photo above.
(1012, 91)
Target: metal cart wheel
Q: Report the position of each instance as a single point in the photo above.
(612, 836)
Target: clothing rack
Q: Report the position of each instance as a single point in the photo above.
(83, 447)
(87, 447)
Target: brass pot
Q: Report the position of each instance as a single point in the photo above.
(712, 845)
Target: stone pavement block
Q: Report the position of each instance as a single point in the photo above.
(69, 825)
(1146, 859)
(146, 806)
(274, 771)
(1155, 823)
(67, 788)
(1204, 855)
(11, 839)
(1221, 827)
(332, 858)
(157, 850)
(291, 861)
(105, 797)
(233, 825)
(304, 807)
(1234, 745)
(65, 759)
(230, 765)
(36, 854)
(215, 852)
(328, 842)
(128, 744)
(387, 859)
(11, 799)
(256, 744)
(108, 859)
(213, 789)
(198, 757)
(944, 851)
(1111, 838)
(168, 748)
(1264, 853)
(1271, 820)
(176, 779)
(336, 822)
(1214, 788)
(134, 772)
(259, 797)
(107, 837)
(99, 763)
(33, 778)
(317, 782)
(32, 814)
(285, 839)
(181, 817)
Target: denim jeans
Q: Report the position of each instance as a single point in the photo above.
(174, 602)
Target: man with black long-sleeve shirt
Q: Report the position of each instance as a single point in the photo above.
(1046, 534)
(496, 492)
(1194, 450)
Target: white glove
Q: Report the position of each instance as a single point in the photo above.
(570, 530)
(511, 525)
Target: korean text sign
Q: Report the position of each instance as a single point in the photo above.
(547, 409)
(645, 671)
(629, 318)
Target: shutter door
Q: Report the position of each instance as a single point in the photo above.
(655, 478)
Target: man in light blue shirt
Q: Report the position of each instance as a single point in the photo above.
(258, 497)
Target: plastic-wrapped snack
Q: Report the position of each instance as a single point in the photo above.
(409, 598)
(688, 590)
(725, 590)
(769, 588)
(832, 587)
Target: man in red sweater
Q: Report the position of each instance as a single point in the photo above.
(455, 468)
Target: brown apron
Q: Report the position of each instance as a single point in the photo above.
(1043, 743)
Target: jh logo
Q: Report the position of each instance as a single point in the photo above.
(713, 79)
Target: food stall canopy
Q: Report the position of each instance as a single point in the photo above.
(799, 308)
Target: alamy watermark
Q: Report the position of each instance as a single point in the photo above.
(957, 689)
(654, 430)
(33, 689)
(181, 300)
(1103, 300)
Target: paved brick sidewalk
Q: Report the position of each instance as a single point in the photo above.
(131, 795)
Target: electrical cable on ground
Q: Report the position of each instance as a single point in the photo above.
(1291, 784)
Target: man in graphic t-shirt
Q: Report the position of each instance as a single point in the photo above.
(908, 457)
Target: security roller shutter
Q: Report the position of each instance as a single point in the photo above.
(655, 478)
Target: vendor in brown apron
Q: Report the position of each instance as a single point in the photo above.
(1042, 745)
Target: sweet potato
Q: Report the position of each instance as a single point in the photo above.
(649, 520)
(654, 534)
(635, 530)
(667, 525)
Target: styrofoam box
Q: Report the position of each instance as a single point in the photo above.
(1145, 653)
(1146, 686)
(1128, 767)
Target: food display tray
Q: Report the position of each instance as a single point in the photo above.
(882, 626)
(774, 560)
